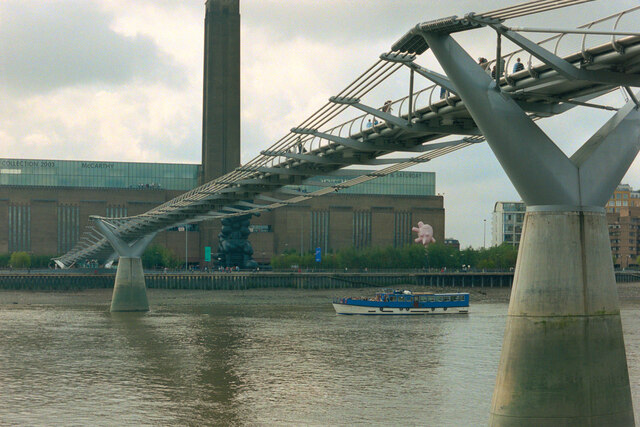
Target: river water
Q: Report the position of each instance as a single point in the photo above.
(262, 357)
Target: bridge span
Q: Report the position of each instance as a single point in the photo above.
(563, 358)
(421, 125)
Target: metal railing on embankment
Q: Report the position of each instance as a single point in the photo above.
(54, 281)
(250, 280)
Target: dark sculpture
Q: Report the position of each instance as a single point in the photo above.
(234, 249)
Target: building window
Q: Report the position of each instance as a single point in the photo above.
(361, 229)
(68, 227)
(402, 232)
(320, 230)
(19, 228)
(116, 211)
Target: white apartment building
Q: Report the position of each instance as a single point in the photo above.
(507, 221)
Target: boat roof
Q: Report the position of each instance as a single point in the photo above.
(402, 291)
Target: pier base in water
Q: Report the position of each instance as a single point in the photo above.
(129, 291)
(563, 360)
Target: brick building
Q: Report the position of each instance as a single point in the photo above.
(45, 204)
(623, 217)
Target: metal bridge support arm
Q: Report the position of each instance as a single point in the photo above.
(605, 158)
(540, 171)
(124, 249)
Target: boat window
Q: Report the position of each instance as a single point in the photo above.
(439, 298)
(432, 299)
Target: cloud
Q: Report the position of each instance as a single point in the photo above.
(350, 21)
(53, 44)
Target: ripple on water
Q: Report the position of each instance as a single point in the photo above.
(278, 358)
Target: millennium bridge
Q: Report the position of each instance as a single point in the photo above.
(563, 359)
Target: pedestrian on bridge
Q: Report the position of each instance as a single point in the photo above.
(518, 66)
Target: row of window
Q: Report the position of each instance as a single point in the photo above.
(621, 195)
(395, 184)
(617, 203)
(426, 298)
(513, 217)
(513, 207)
(361, 235)
(67, 173)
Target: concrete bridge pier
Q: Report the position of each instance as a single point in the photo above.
(129, 290)
(563, 360)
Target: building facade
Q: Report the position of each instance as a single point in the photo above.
(624, 233)
(507, 221)
(624, 196)
(45, 204)
(623, 218)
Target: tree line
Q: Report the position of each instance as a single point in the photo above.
(22, 259)
(436, 256)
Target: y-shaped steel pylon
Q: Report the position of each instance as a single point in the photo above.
(540, 171)
(563, 359)
(129, 291)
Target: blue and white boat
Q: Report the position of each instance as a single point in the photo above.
(404, 302)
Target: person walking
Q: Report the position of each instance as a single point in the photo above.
(518, 66)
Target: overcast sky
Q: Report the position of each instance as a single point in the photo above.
(121, 80)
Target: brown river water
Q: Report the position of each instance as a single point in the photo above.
(252, 358)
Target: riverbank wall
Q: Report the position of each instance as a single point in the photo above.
(97, 279)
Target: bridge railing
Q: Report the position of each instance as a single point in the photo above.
(553, 43)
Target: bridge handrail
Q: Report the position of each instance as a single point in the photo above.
(559, 37)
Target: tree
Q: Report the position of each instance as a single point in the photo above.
(4, 260)
(498, 257)
(157, 256)
(41, 261)
(20, 260)
(440, 255)
(469, 256)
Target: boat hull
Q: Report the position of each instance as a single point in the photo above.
(382, 311)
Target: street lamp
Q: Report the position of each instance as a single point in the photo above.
(484, 229)
(186, 246)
